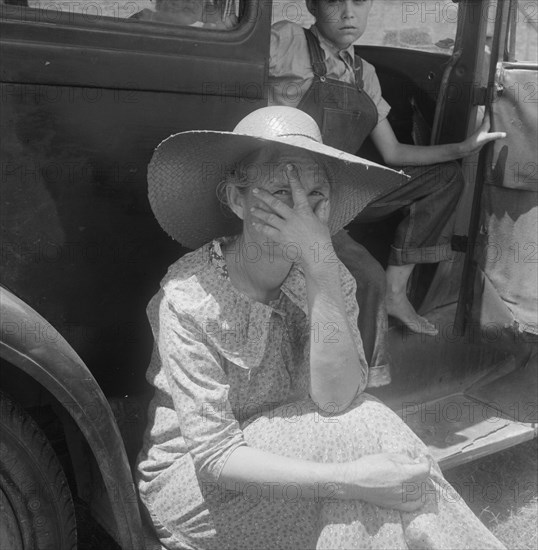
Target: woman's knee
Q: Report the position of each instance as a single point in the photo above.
(302, 430)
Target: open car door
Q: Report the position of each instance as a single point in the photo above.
(500, 279)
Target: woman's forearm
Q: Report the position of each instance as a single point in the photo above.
(390, 480)
(335, 364)
(278, 477)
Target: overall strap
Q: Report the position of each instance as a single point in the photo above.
(316, 54)
(317, 58)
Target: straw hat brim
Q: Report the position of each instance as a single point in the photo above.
(186, 168)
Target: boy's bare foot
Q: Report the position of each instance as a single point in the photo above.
(397, 303)
(398, 306)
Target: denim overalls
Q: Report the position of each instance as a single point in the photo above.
(345, 113)
(346, 116)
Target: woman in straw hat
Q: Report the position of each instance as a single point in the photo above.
(259, 433)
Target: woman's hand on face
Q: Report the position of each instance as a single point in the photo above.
(481, 136)
(298, 225)
(389, 480)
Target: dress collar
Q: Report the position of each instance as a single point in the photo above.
(240, 327)
(293, 287)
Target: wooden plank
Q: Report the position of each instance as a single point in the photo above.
(515, 394)
(458, 428)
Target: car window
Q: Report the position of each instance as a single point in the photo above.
(206, 14)
(290, 10)
(429, 25)
(523, 43)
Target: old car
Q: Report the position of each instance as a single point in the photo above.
(89, 88)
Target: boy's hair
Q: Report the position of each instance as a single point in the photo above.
(311, 6)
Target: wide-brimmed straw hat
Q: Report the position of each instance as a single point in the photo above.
(186, 169)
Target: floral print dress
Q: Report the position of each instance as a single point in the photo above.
(229, 371)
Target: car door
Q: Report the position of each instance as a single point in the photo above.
(88, 91)
(500, 282)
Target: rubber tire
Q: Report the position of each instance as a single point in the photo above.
(35, 499)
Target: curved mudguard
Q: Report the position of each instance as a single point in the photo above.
(30, 343)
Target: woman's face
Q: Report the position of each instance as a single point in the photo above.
(268, 170)
(342, 22)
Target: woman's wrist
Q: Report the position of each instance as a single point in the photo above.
(341, 486)
(331, 482)
(320, 261)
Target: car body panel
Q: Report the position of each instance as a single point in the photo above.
(31, 343)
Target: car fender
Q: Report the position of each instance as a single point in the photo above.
(30, 343)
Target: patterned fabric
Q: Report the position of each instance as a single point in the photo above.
(230, 371)
(221, 358)
(290, 70)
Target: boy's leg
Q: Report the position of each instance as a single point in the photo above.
(371, 290)
(428, 200)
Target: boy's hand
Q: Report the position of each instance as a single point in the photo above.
(482, 136)
(299, 225)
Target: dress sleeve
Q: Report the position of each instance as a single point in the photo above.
(349, 289)
(199, 390)
(373, 89)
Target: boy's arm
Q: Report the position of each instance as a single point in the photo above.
(401, 154)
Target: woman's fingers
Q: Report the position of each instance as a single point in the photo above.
(322, 211)
(282, 209)
(268, 218)
(266, 230)
(418, 473)
(300, 200)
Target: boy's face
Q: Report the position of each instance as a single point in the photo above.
(340, 21)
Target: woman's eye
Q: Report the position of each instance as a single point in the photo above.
(281, 192)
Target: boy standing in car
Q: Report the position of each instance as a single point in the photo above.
(317, 71)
